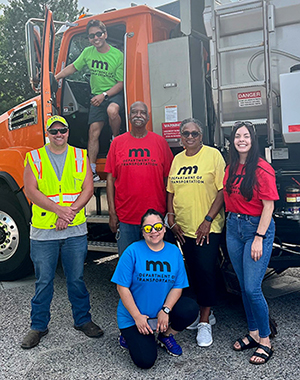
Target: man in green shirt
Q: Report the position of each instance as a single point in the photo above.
(105, 64)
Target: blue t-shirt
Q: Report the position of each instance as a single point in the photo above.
(150, 276)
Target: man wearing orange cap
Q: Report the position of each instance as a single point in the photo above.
(58, 181)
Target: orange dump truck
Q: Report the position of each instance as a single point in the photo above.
(22, 128)
(225, 61)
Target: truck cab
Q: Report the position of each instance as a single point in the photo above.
(23, 127)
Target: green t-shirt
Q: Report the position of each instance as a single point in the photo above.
(106, 68)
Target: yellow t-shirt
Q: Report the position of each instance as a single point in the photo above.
(195, 182)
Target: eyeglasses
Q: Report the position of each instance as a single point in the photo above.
(147, 228)
(97, 34)
(54, 131)
(186, 134)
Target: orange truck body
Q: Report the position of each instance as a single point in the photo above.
(22, 128)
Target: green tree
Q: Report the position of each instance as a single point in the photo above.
(15, 86)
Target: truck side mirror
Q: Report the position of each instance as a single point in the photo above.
(33, 55)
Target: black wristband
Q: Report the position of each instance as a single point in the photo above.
(260, 235)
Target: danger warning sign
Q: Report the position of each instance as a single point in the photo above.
(249, 99)
(171, 130)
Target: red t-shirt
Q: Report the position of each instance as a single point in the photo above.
(139, 167)
(265, 189)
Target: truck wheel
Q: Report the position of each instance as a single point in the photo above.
(14, 240)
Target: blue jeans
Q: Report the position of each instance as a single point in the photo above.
(44, 255)
(126, 235)
(240, 234)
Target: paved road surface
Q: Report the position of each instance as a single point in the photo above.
(67, 354)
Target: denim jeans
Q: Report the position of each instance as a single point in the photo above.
(240, 234)
(44, 255)
(126, 235)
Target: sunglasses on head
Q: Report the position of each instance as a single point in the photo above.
(147, 228)
(97, 34)
(247, 124)
(241, 123)
(186, 134)
(54, 131)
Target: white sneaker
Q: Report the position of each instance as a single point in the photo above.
(96, 178)
(212, 319)
(194, 325)
(204, 336)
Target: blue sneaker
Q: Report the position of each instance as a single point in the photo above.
(170, 344)
(122, 342)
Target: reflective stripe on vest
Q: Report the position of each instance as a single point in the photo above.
(37, 162)
(70, 198)
(54, 198)
(63, 192)
(78, 153)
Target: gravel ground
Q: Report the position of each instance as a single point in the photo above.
(68, 354)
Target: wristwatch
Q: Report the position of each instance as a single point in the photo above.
(165, 309)
(208, 218)
(105, 95)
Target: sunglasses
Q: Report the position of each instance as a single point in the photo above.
(247, 124)
(98, 34)
(55, 131)
(147, 228)
(186, 134)
(241, 123)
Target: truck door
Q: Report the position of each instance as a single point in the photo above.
(48, 83)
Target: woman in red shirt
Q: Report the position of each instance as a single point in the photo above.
(249, 194)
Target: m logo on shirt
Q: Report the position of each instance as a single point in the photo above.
(237, 179)
(96, 64)
(157, 264)
(139, 152)
(188, 169)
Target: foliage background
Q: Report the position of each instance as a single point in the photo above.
(15, 87)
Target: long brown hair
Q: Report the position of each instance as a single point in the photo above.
(249, 180)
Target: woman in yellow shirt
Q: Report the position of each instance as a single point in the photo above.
(196, 215)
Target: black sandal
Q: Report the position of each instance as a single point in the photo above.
(267, 349)
(252, 343)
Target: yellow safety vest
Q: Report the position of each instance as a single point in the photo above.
(63, 192)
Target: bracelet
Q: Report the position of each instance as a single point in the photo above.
(170, 213)
(173, 225)
(260, 235)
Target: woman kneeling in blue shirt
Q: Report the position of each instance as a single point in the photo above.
(150, 277)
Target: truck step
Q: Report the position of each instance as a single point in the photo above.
(240, 47)
(102, 246)
(243, 85)
(238, 7)
(101, 183)
(97, 219)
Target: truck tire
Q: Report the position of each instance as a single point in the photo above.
(14, 240)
